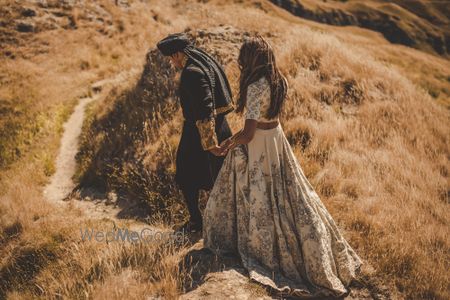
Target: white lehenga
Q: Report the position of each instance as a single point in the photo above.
(263, 208)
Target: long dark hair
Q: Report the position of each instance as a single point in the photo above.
(257, 60)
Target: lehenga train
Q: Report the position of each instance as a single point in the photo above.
(263, 208)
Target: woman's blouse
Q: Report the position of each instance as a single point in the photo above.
(258, 101)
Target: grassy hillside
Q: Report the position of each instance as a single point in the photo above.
(425, 70)
(368, 134)
(416, 23)
(367, 137)
(44, 71)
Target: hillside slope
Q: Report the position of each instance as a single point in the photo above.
(416, 23)
(369, 140)
(364, 116)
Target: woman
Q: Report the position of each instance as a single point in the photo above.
(263, 207)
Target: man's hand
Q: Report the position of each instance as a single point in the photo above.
(218, 151)
(228, 144)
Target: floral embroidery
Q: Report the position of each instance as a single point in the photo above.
(258, 100)
(208, 137)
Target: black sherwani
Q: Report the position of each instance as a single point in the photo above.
(204, 127)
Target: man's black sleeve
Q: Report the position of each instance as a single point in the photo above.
(203, 106)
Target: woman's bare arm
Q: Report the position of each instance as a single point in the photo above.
(247, 133)
(244, 136)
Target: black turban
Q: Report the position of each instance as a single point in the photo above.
(173, 43)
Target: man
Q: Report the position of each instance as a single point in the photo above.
(205, 98)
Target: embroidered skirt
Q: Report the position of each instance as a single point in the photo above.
(263, 208)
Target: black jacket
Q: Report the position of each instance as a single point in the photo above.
(203, 129)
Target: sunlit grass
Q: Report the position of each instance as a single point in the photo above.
(373, 144)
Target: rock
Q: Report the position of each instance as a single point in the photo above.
(122, 3)
(25, 27)
(228, 284)
(28, 12)
(9, 54)
(111, 198)
(97, 88)
(218, 277)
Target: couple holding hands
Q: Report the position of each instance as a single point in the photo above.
(261, 206)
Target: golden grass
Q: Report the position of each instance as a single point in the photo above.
(42, 255)
(373, 144)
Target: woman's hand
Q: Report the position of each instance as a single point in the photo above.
(231, 145)
(224, 145)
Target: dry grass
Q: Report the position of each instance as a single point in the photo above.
(373, 144)
(419, 24)
(43, 75)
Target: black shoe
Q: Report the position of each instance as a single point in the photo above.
(191, 227)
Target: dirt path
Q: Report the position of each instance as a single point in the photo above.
(61, 183)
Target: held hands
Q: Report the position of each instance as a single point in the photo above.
(225, 144)
(224, 147)
(218, 151)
